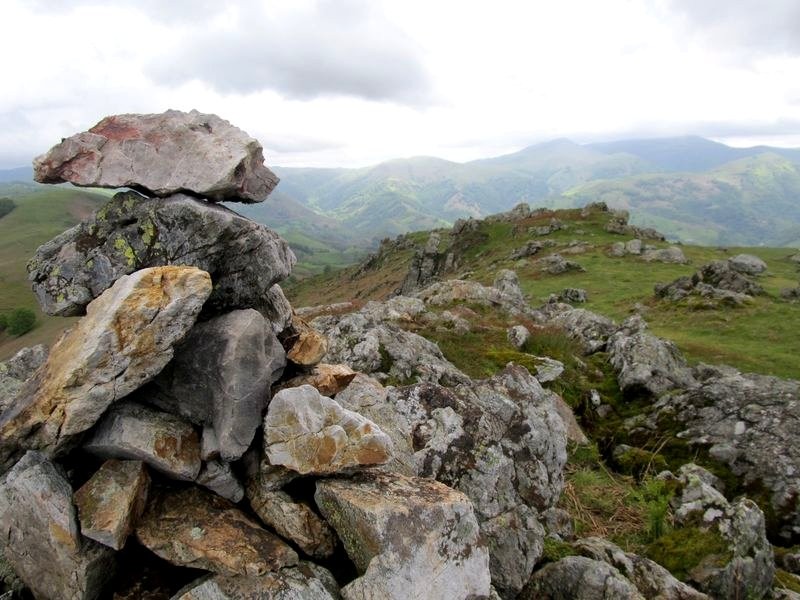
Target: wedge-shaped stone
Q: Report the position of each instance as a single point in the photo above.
(328, 379)
(307, 345)
(221, 376)
(39, 534)
(245, 259)
(310, 433)
(306, 581)
(408, 537)
(217, 476)
(125, 340)
(162, 154)
(193, 528)
(163, 441)
(112, 500)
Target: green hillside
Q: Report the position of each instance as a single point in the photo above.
(39, 216)
(760, 337)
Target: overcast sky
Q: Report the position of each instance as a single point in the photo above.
(351, 83)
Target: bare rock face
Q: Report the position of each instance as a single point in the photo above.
(129, 233)
(221, 377)
(329, 380)
(39, 534)
(579, 578)
(112, 500)
(193, 528)
(162, 154)
(310, 433)
(136, 432)
(126, 338)
(17, 370)
(408, 537)
(306, 581)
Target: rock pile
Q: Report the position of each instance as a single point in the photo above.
(723, 282)
(151, 426)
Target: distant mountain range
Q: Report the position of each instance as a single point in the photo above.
(693, 189)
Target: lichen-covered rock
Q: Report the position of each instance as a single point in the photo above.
(127, 337)
(720, 274)
(518, 336)
(749, 423)
(221, 377)
(311, 433)
(306, 581)
(579, 578)
(408, 537)
(329, 380)
(673, 255)
(555, 264)
(651, 579)
(458, 290)
(164, 441)
(112, 500)
(162, 154)
(508, 283)
(647, 364)
(500, 441)
(747, 264)
(292, 520)
(529, 249)
(40, 538)
(426, 264)
(589, 329)
(193, 528)
(573, 295)
(17, 370)
(748, 568)
(129, 233)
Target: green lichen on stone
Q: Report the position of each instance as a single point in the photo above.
(55, 271)
(122, 245)
(89, 263)
(60, 298)
(129, 203)
(148, 229)
(102, 213)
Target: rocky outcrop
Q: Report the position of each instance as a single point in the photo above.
(619, 224)
(529, 249)
(111, 502)
(507, 282)
(749, 423)
(127, 337)
(17, 370)
(518, 336)
(587, 328)
(196, 529)
(408, 537)
(718, 281)
(500, 441)
(161, 155)
(40, 536)
(310, 433)
(221, 377)
(136, 432)
(672, 254)
(747, 264)
(555, 264)
(329, 380)
(579, 578)
(244, 259)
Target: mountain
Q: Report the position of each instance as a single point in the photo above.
(19, 175)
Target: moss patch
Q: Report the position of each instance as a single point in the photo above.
(682, 550)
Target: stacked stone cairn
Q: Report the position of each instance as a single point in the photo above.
(181, 440)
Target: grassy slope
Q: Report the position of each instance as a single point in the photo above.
(40, 215)
(759, 338)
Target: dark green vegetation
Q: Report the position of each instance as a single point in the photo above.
(690, 188)
(18, 322)
(41, 214)
(6, 206)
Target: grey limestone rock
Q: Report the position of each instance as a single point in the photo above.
(579, 578)
(408, 537)
(163, 441)
(162, 154)
(15, 371)
(40, 536)
(673, 254)
(518, 336)
(217, 476)
(555, 264)
(720, 274)
(589, 329)
(747, 264)
(245, 259)
(508, 283)
(573, 295)
(221, 377)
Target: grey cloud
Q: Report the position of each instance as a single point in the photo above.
(331, 49)
(761, 26)
(169, 11)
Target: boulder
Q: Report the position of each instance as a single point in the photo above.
(747, 264)
(217, 476)
(573, 295)
(720, 274)
(110, 503)
(408, 537)
(39, 534)
(310, 433)
(555, 264)
(129, 233)
(633, 246)
(162, 154)
(221, 377)
(651, 579)
(292, 520)
(673, 254)
(790, 294)
(127, 337)
(617, 250)
(306, 581)
(508, 283)
(426, 264)
(571, 427)
(17, 370)
(329, 380)
(547, 369)
(500, 441)
(589, 329)
(136, 432)
(306, 346)
(528, 249)
(579, 578)
(518, 336)
(192, 528)
(749, 423)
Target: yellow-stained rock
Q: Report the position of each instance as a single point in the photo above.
(328, 379)
(307, 347)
